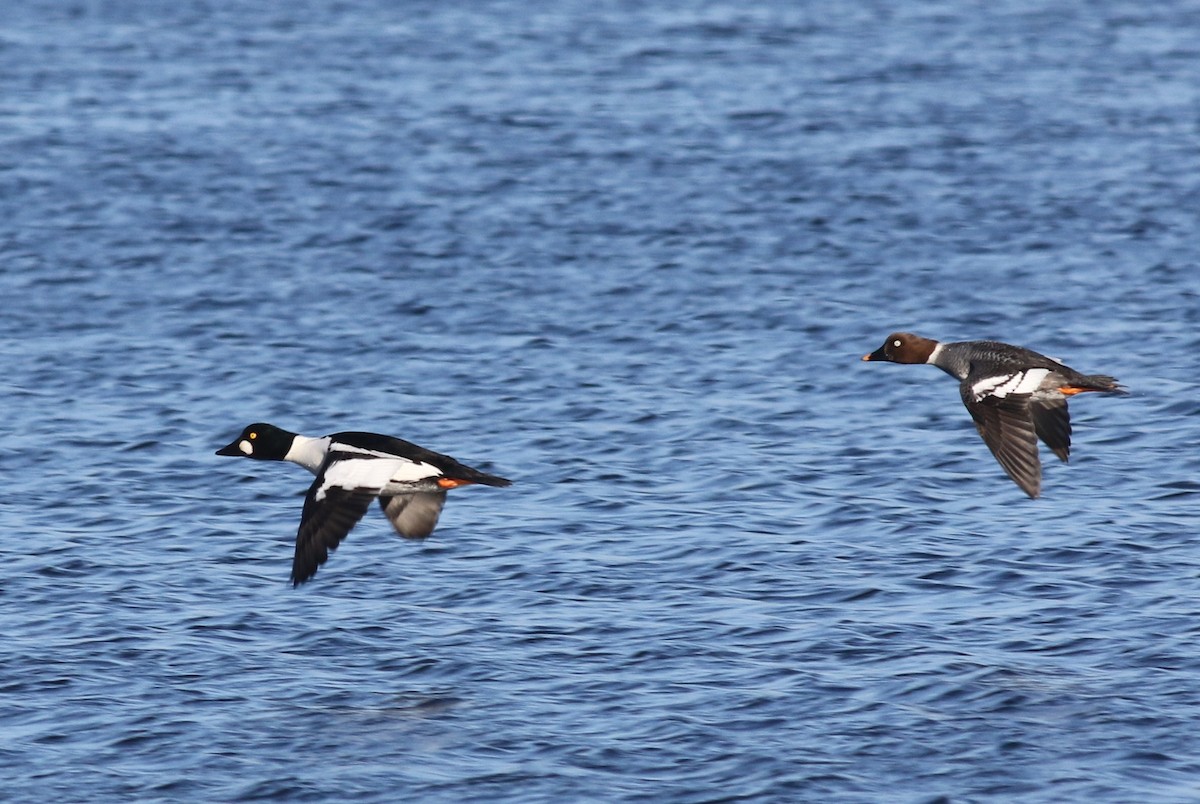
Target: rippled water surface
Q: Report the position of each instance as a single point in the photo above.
(628, 254)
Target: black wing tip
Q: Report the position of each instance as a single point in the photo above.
(300, 576)
(1028, 478)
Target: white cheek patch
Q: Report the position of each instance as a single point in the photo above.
(246, 447)
(1020, 382)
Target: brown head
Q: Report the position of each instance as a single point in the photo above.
(904, 347)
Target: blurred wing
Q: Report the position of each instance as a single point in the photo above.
(414, 515)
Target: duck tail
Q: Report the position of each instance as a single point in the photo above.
(1100, 383)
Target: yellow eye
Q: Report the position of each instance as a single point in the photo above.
(894, 343)
(253, 436)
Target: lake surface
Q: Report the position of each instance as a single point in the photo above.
(629, 255)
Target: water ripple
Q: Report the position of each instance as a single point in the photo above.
(628, 255)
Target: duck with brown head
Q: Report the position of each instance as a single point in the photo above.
(1014, 395)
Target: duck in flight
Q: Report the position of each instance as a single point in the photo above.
(1014, 395)
(352, 469)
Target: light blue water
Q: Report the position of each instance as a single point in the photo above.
(628, 255)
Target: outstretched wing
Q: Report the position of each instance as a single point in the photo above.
(329, 514)
(1052, 422)
(1006, 424)
(346, 483)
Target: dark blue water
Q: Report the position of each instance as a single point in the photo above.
(629, 255)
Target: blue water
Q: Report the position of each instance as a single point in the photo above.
(627, 254)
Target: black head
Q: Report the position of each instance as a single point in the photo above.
(265, 442)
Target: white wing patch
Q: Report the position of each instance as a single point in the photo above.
(373, 473)
(1001, 385)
